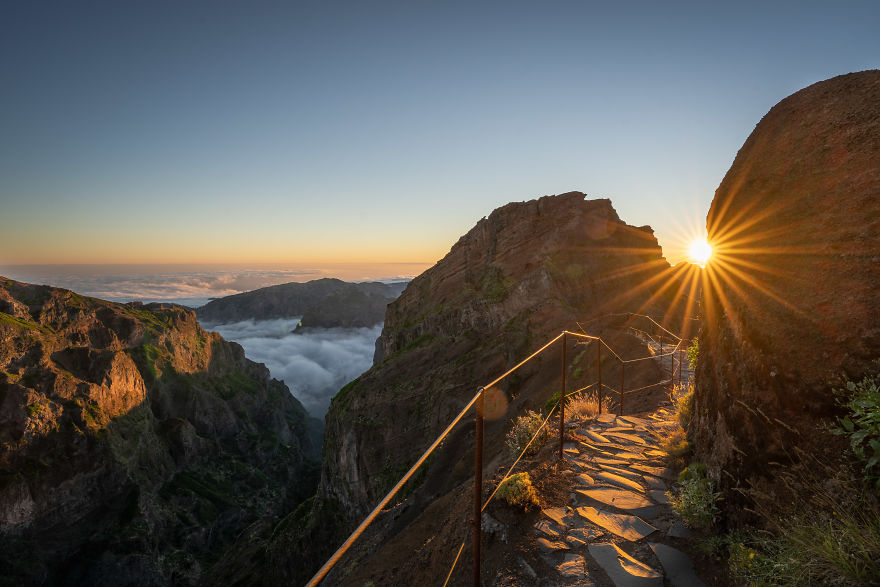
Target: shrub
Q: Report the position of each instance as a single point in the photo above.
(862, 425)
(693, 353)
(518, 490)
(524, 428)
(696, 500)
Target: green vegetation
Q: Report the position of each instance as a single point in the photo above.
(862, 425)
(19, 323)
(341, 398)
(522, 431)
(517, 490)
(35, 409)
(151, 319)
(693, 353)
(696, 499)
(493, 285)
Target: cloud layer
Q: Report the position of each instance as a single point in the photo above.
(191, 286)
(314, 365)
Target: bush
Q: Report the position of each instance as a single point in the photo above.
(683, 403)
(862, 425)
(518, 490)
(678, 448)
(696, 500)
(522, 432)
(693, 353)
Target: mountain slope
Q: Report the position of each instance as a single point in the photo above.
(134, 446)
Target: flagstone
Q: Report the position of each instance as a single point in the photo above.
(679, 568)
(619, 498)
(631, 475)
(558, 515)
(572, 566)
(595, 436)
(624, 525)
(628, 437)
(659, 496)
(622, 569)
(547, 528)
(635, 420)
(552, 545)
(654, 482)
(679, 530)
(655, 471)
(618, 480)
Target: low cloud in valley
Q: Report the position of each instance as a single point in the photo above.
(314, 365)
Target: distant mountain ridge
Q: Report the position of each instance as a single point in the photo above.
(322, 303)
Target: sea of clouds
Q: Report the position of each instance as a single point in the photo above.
(314, 365)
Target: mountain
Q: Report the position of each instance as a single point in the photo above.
(515, 280)
(321, 303)
(791, 305)
(135, 446)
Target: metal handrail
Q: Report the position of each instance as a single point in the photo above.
(478, 399)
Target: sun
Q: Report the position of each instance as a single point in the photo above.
(700, 251)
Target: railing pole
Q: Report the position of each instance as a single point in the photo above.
(478, 485)
(562, 398)
(599, 370)
(620, 403)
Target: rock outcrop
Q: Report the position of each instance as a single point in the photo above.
(321, 303)
(790, 300)
(512, 282)
(134, 446)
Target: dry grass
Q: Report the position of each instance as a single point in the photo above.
(581, 407)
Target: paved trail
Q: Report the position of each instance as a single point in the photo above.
(618, 528)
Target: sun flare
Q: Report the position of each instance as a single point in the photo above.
(700, 251)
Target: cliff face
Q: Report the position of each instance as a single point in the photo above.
(790, 302)
(512, 282)
(134, 446)
(321, 303)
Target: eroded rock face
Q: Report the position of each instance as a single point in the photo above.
(134, 445)
(791, 302)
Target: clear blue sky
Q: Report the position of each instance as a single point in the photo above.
(379, 131)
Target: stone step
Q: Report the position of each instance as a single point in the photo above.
(614, 479)
(622, 569)
(561, 515)
(619, 498)
(624, 472)
(678, 567)
(628, 437)
(573, 566)
(595, 437)
(624, 525)
(635, 421)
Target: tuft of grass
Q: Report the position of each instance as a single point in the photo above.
(522, 431)
(517, 490)
(696, 499)
(683, 403)
(25, 324)
(677, 447)
(581, 407)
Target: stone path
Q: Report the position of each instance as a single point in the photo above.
(619, 519)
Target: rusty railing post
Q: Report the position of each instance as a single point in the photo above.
(599, 370)
(620, 403)
(562, 398)
(478, 485)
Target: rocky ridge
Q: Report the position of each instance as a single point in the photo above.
(321, 303)
(790, 302)
(134, 445)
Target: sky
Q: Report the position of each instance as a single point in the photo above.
(315, 133)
